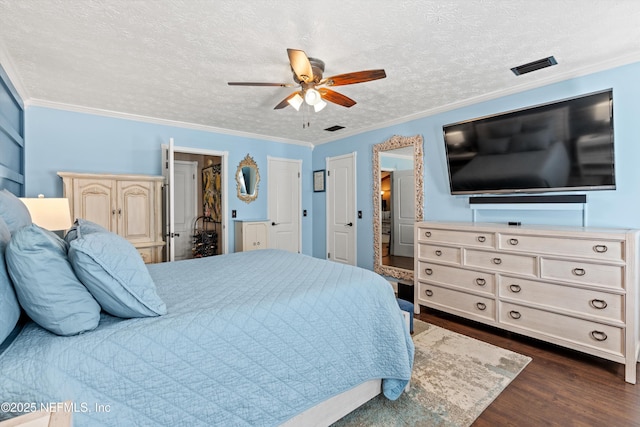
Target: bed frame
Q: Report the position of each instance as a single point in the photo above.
(331, 410)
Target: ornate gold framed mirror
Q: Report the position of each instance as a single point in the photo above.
(247, 179)
(397, 204)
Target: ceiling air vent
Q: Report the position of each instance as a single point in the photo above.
(334, 128)
(535, 65)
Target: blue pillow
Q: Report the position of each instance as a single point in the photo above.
(82, 226)
(47, 288)
(113, 271)
(9, 307)
(13, 211)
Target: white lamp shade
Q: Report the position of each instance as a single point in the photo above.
(49, 213)
(296, 101)
(319, 105)
(312, 97)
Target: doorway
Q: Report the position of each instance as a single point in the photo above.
(207, 225)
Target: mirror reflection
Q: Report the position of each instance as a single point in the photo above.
(397, 205)
(247, 178)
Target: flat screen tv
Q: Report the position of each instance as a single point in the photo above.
(561, 146)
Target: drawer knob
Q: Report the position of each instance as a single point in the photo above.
(481, 281)
(598, 304)
(438, 252)
(482, 239)
(515, 288)
(428, 271)
(481, 306)
(598, 335)
(513, 242)
(428, 292)
(427, 234)
(496, 261)
(579, 271)
(515, 314)
(600, 248)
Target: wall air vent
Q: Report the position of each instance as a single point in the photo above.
(334, 128)
(535, 65)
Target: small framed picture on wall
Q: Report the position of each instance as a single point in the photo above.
(318, 180)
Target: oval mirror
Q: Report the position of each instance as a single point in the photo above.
(247, 179)
(397, 204)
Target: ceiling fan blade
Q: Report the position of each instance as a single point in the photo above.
(260, 84)
(353, 78)
(300, 65)
(336, 98)
(285, 102)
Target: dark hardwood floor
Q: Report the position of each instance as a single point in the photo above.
(560, 387)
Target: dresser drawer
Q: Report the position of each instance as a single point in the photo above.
(500, 261)
(440, 253)
(566, 298)
(586, 273)
(605, 250)
(459, 277)
(462, 303)
(455, 237)
(595, 335)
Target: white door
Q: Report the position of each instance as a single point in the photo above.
(284, 193)
(404, 212)
(185, 207)
(341, 209)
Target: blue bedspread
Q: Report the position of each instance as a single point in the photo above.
(250, 339)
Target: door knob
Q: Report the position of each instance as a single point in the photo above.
(350, 224)
(274, 223)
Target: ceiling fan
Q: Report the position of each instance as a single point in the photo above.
(307, 74)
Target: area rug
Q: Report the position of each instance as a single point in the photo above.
(454, 379)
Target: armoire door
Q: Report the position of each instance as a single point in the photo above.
(135, 216)
(96, 202)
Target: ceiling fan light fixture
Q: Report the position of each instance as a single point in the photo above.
(318, 106)
(296, 101)
(312, 97)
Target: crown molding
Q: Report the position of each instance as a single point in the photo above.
(12, 80)
(556, 78)
(34, 102)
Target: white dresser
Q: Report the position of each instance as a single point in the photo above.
(251, 235)
(575, 287)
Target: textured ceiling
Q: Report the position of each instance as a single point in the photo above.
(170, 59)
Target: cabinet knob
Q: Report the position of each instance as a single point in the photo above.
(515, 314)
(428, 271)
(481, 281)
(481, 239)
(496, 261)
(598, 335)
(600, 248)
(481, 306)
(513, 242)
(427, 234)
(428, 292)
(598, 304)
(515, 288)
(579, 271)
(438, 252)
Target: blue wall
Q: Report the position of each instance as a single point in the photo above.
(614, 208)
(60, 140)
